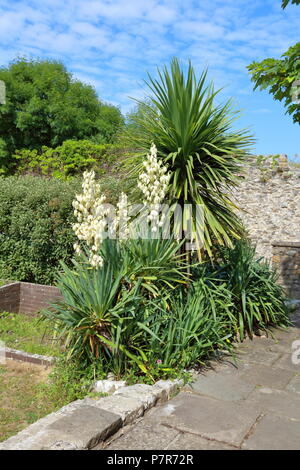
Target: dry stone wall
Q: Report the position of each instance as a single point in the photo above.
(286, 261)
(269, 199)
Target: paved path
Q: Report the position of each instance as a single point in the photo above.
(255, 405)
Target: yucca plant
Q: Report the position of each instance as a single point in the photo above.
(103, 310)
(155, 263)
(259, 301)
(98, 319)
(90, 299)
(194, 326)
(204, 154)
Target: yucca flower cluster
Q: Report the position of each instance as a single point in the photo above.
(154, 184)
(91, 213)
(121, 220)
(93, 216)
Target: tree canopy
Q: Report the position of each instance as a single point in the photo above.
(45, 105)
(281, 76)
(286, 2)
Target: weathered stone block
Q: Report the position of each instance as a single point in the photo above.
(85, 427)
(127, 407)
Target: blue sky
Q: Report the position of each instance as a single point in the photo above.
(112, 44)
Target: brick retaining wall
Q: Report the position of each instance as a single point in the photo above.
(35, 297)
(286, 260)
(28, 298)
(10, 297)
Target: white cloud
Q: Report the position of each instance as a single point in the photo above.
(113, 43)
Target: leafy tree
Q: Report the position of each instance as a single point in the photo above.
(45, 105)
(133, 117)
(109, 122)
(69, 159)
(280, 76)
(285, 2)
(195, 139)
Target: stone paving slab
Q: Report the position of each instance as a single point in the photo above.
(277, 402)
(294, 384)
(274, 433)
(260, 342)
(265, 376)
(283, 347)
(251, 402)
(145, 436)
(186, 441)
(281, 334)
(285, 362)
(259, 356)
(296, 320)
(223, 385)
(292, 331)
(151, 434)
(278, 340)
(226, 422)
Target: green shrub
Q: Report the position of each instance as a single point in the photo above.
(134, 314)
(192, 328)
(69, 159)
(35, 227)
(258, 300)
(102, 314)
(36, 217)
(46, 105)
(143, 315)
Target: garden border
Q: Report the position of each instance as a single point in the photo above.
(23, 356)
(83, 424)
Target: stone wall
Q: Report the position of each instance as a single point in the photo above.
(269, 199)
(286, 261)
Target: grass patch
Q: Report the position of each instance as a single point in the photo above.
(19, 405)
(29, 391)
(30, 334)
